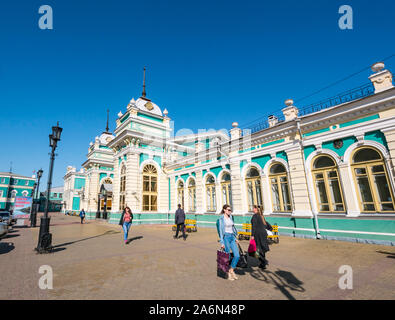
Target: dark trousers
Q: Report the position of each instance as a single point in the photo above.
(181, 226)
(82, 219)
(262, 257)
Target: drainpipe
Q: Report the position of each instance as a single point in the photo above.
(317, 228)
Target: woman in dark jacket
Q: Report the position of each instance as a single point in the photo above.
(258, 232)
(126, 222)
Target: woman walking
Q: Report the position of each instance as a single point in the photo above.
(126, 222)
(228, 238)
(259, 234)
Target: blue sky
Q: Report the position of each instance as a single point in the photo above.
(209, 63)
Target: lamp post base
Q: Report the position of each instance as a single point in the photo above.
(45, 238)
(33, 220)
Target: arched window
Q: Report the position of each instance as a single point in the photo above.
(150, 188)
(226, 189)
(254, 193)
(210, 193)
(180, 189)
(371, 178)
(122, 188)
(25, 193)
(327, 187)
(279, 188)
(192, 195)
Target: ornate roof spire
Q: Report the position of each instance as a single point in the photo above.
(107, 121)
(144, 93)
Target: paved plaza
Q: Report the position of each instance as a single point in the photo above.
(90, 261)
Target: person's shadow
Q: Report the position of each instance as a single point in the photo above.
(390, 254)
(6, 247)
(110, 232)
(283, 280)
(133, 239)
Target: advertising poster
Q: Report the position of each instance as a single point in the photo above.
(22, 208)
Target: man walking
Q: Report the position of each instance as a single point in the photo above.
(82, 215)
(180, 219)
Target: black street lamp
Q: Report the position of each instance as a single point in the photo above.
(105, 203)
(32, 206)
(36, 205)
(45, 238)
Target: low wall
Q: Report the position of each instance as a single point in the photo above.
(365, 230)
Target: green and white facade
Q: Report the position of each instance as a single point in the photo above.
(56, 200)
(322, 171)
(73, 189)
(14, 185)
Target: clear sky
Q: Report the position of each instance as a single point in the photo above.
(208, 62)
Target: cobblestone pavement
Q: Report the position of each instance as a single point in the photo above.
(90, 261)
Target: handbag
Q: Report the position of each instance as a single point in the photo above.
(223, 260)
(252, 247)
(242, 263)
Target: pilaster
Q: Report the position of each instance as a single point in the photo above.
(298, 183)
(200, 191)
(93, 189)
(349, 192)
(133, 197)
(115, 186)
(238, 201)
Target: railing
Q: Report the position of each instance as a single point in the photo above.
(347, 96)
(265, 124)
(350, 95)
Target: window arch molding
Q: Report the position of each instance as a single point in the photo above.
(103, 180)
(253, 186)
(181, 186)
(121, 164)
(225, 187)
(210, 192)
(348, 157)
(309, 160)
(122, 185)
(187, 182)
(209, 173)
(266, 168)
(152, 162)
(369, 177)
(150, 197)
(327, 185)
(348, 154)
(190, 187)
(248, 166)
(280, 187)
(309, 167)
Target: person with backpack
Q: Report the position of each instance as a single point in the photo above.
(82, 215)
(179, 221)
(259, 234)
(126, 222)
(228, 238)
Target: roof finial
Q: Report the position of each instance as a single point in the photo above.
(107, 121)
(144, 84)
